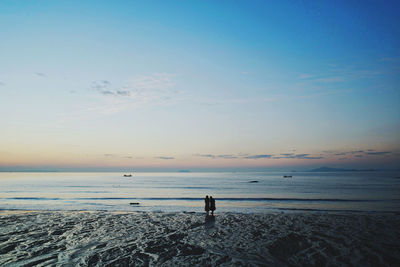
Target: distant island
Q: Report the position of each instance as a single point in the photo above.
(329, 169)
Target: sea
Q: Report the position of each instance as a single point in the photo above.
(244, 192)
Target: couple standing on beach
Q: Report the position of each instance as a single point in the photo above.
(209, 205)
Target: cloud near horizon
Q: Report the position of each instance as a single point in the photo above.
(223, 156)
(164, 157)
(324, 155)
(297, 156)
(260, 156)
(359, 153)
(110, 155)
(379, 153)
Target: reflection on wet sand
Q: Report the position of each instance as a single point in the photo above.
(184, 239)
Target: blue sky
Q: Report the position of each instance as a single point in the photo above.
(199, 84)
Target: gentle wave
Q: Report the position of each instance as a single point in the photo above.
(199, 199)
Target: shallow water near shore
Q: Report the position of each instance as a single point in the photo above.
(245, 192)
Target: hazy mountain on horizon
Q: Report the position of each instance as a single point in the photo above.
(329, 169)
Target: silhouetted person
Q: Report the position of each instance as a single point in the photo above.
(212, 205)
(207, 205)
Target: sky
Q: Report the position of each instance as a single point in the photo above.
(199, 85)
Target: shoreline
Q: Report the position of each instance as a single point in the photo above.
(91, 238)
(269, 211)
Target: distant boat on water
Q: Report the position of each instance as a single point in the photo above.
(127, 175)
(287, 176)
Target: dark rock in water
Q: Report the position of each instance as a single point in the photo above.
(134, 203)
(252, 182)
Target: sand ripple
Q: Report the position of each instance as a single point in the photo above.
(184, 239)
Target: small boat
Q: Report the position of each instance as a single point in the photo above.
(134, 203)
(127, 175)
(287, 176)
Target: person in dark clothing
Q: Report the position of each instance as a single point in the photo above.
(207, 205)
(212, 205)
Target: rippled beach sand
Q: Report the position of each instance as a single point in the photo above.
(183, 239)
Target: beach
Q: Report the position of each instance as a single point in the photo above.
(101, 238)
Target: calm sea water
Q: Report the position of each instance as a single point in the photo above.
(344, 191)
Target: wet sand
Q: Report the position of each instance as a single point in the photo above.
(73, 238)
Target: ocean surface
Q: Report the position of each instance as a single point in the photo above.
(246, 192)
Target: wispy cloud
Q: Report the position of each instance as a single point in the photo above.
(116, 93)
(164, 157)
(155, 81)
(224, 156)
(228, 156)
(334, 74)
(109, 155)
(348, 152)
(390, 59)
(2, 84)
(378, 153)
(104, 87)
(307, 156)
(41, 74)
(296, 156)
(358, 153)
(155, 89)
(206, 155)
(326, 154)
(261, 156)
